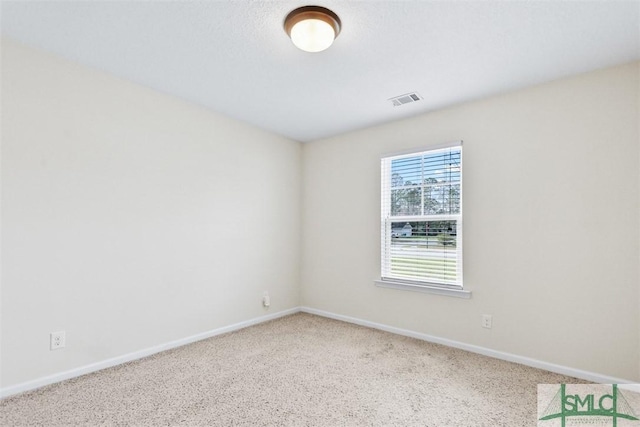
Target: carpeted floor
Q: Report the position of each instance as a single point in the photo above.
(300, 370)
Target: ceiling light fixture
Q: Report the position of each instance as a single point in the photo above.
(312, 28)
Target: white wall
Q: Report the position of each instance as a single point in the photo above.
(130, 218)
(551, 217)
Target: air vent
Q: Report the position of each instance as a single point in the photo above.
(407, 98)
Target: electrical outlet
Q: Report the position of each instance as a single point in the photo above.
(487, 321)
(58, 340)
(266, 301)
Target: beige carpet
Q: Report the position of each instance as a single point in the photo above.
(300, 370)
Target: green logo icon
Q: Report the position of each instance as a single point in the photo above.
(608, 407)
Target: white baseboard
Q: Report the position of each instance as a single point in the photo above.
(559, 369)
(93, 367)
(631, 387)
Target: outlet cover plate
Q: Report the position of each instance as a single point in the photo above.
(58, 340)
(487, 321)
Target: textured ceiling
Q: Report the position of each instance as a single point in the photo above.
(234, 57)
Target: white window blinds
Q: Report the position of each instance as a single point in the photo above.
(422, 217)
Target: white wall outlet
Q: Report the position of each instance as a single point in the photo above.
(58, 340)
(487, 321)
(266, 301)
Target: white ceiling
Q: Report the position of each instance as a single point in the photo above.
(234, 57)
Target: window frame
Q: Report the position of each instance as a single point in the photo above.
(455, 288)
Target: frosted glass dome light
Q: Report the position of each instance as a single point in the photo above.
(312, 28)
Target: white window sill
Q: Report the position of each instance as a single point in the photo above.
(458, 293)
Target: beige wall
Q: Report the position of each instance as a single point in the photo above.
(551, 217)
(130, 218)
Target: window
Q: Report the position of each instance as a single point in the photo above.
(422, 218)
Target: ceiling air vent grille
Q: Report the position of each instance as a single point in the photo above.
(407, 98)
